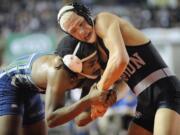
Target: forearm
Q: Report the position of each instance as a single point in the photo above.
(115, 67)
(67, 113)
(110, 32)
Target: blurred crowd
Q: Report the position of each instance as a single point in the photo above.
(40, 15)
(33, 16)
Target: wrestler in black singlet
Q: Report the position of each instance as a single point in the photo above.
(152, 81)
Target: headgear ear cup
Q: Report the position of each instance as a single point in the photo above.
(72, 61)
(75, 64)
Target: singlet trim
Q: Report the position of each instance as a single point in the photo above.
(152, 78)
(149, 42)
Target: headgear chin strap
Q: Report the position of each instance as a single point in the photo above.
(75, 64)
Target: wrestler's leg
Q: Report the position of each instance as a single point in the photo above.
(11, 108)
(167, 122)
(33, 117)
(38, 128)
(135, 129)
(10, 124)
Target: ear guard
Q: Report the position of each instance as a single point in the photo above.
(75, 64)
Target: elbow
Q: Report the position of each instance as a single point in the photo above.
(122, 61)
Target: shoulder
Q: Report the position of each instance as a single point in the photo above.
(103, 21)
(60, 74)
(108, 18)
(105, 18)
(55, 66)
(105, 14)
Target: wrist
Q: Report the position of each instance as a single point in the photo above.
(87, 100)
(100, 85)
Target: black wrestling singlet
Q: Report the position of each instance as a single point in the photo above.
(144, 61)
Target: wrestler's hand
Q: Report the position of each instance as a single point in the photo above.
(111, 97)
(98, 97)
(100, 109)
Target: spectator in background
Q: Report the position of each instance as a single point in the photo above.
(2, 47)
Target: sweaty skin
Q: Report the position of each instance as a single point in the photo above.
(56, 82)
(116, 33)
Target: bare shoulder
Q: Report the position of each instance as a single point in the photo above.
(103, 21)
(105, 14)
(107, 18)
(59, 76)
(56, 70)
(131, 35)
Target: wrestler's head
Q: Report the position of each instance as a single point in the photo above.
(75, 19)
(79, 57)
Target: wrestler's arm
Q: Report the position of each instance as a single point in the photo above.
(56, 112)
(109, 30)
(84, 117)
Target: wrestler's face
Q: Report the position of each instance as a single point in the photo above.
(78, 27)
(92, 66)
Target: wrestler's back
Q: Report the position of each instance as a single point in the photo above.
(44, 70)
(40, 69)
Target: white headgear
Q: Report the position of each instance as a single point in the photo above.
(79, 9)
(61, 13)
(75, 64)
